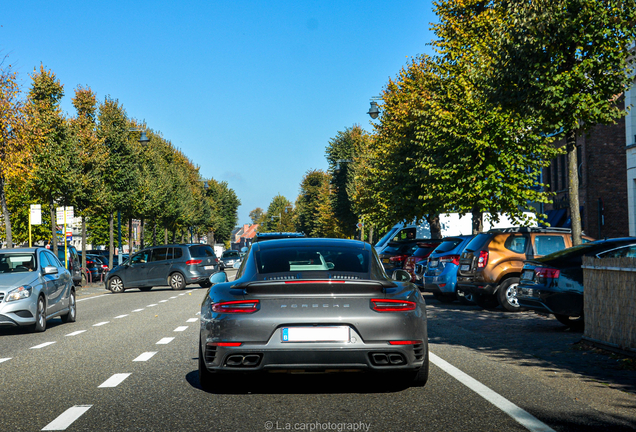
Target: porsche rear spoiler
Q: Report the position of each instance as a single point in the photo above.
(314, 286)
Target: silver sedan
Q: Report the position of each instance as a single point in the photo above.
(34, 287)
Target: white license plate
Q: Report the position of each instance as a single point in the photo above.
(316, 334)
(385, 260)
(433, 264)
(528, 275)
(465, 267)
(209, 267)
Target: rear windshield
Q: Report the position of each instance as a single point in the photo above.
(478, 242)
(424, 251)
(308, 259)
(230, 254)
(400, 249)
(201, 251)
(448, 245)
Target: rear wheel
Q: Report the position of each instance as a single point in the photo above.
(421, 376)
(507, 295)
(71, 316)
(116, 285)
(205, 377)
(206, 284)
(177, 281)
(575, 323)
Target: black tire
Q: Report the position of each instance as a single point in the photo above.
(144, 289)
(444, 298)
(507, 295)
(467, 299)
(575, 323)
(177, 281)
(206, 284)
(71, 316)
(420, 377)
(116, 285)
(486, 301)
(40, 316)
(205, 376)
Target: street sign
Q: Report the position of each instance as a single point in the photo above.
(59, 213)
(69, 214)
(36, 214)
(359, 224)
(69, 235)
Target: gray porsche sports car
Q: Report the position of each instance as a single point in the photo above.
(313, 305)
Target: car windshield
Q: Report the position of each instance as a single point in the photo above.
(448, 245)
(16, 262)
(321, 259)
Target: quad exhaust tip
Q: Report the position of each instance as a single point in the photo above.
(387, 359)
(240, 360)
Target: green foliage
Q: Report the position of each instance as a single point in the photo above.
(280, 215)
(312, 196)
(257, 215)
(224, 204)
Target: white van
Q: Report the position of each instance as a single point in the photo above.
(452, 224)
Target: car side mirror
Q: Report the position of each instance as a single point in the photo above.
(401, 276)
(217, 278)
(50, 270)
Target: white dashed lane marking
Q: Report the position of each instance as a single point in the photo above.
(182, 294)
(67, 418)
(75, 333)
(162, 301)
(88, 298)
(100, 324)
(145, 356)
(114, 381)
(165, 341)
(193, 320)
(138, 310)
(45, 344)
(5, 359)
(152, 305)
(181, 328)
(121, 316)
(173, 297)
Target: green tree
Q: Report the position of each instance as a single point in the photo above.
(280, 216)
(565, 63)
(309, 200)
(55, 171)
(224, 206)
(257, 215)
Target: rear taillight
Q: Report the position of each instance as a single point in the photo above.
(308, 281)
(398, 258)
(387, 305)
(483, 259)
(450, 259)
(405, 342)
(238, 306)
(193, 262)
(547, 273)
(225, 344)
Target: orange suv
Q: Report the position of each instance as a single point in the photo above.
(490, 266)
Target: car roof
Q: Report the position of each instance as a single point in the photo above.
(304, 242)
(21, 250)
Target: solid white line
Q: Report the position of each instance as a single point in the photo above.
(5, 359)
(518, 414)
(42, 345)
(193, 320)
(181, 328)
(165, 341)
(145, 356)
(75, 333)
(88, 298)
(138, 310)
(121, 316)
(100, 324)
(67, 418)
(152, 305)
(115, 380)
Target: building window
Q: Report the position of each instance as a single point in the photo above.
(548, 177)
(562, 164)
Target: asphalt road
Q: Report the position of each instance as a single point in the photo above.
(129, 363)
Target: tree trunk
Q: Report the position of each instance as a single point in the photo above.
(165, 236)
(54, 227)
(211, 238)
(435, 226)
(111, 241)
(478, 221)
(6, 215)
(573, 187)
(371, 234)
(83, 243)
(154, 233)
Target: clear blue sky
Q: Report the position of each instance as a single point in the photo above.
(251, 91)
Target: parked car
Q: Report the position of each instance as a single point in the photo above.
(424, 249)
(229, 257)
(395, 253)
(96, 269)
(34, 287)
(312, 305)
(491, 264)
(74, 262)
(439, 273)
(174, 265)
(553, 284)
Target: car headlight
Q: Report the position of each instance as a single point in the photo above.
(19, 293)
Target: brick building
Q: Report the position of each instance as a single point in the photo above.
(602, 183)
